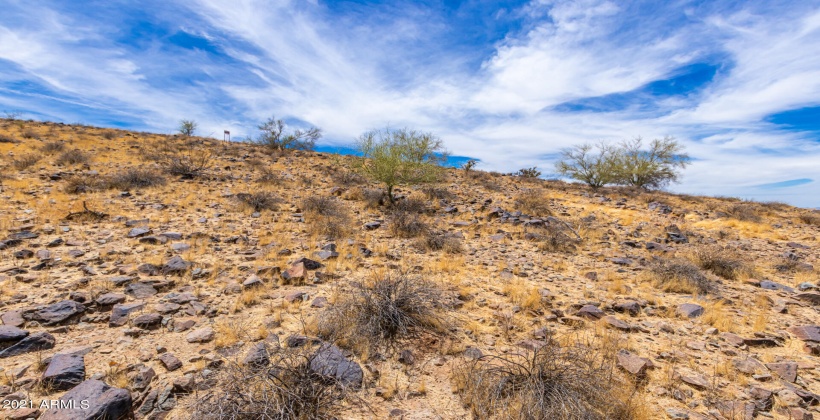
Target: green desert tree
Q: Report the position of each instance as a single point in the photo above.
(652, 168)
(396, 157)
(274, 136)
(187, 127)
(591, 164)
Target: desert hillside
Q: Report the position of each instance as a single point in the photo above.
(161, 276)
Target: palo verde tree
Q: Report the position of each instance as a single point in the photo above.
(274, 136)
(594, 165)
(395, 157)
(187, 127)
(652, 168)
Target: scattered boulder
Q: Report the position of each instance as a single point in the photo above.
(120, 312)
(590, 312)
(633, 364)
(58, 312)
(690, 310)
(329, 361)
(140, 290)
(295, 274)
(170, 361)
(785, 370)
(202, 335)
(91, 400)
(148, 321)
(176, 266)
(34, 342)
(65, 371)
(10, 334)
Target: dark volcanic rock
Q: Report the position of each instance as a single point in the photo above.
(176, 266)
(110, 299)
(34, 342)
(65, 371)
(147, 321)
(58, 312)
(170, 362)
(140, 290)
(257, 356)
(92, 400)
(329, 361)
(9, 334)
(690, 310)
(119, 314)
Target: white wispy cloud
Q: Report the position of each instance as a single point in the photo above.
(367, 66)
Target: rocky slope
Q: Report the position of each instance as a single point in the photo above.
(138, 292)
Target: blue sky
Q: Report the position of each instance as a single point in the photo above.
(510, 83)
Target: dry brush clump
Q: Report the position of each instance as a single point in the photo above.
(134, 178)
(744, 211)
(73, 157)
(533, 203)
(187, 159)
(722, 261)
(437, 241)
(812, 219)
(259, 201)
(383, 311)
(405, 224)
(555, 237)
(327, 216)
(575, 381)
(283, 389)
(25, 161)
(53, 147)
(679, 276)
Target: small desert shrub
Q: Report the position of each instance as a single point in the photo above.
(7, 139)
(528, 172)
(533, 203)
(410, 205)
(568, 382)
(383, 311)
(73, 157)
(327, 217)
(25, 161)
(53, 147)
(29, 134)
(287, 388)
(81, 184)
(133, 178)
(680, 276)
(404, 224)
(743, 211)
(266, 176)
(324, 206)
(553, 238)
(373, 198)
(434, 193)
(188, 159)
(812, 219)
(345, 178)
(260, 201)
(722, 261)
(109, 135)
(433, 241)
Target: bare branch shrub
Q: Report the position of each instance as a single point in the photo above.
(134, 178)
(743, 211)
(576, 381)
(285, 389)
(679, 276)
(259, 201)
(533, 203)
(25, 161)
(327, 216)
(73, 157)
(53, 147)
(722, 261)
(83, 183)
(188, 159)
(405, 224)
(382, 311)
